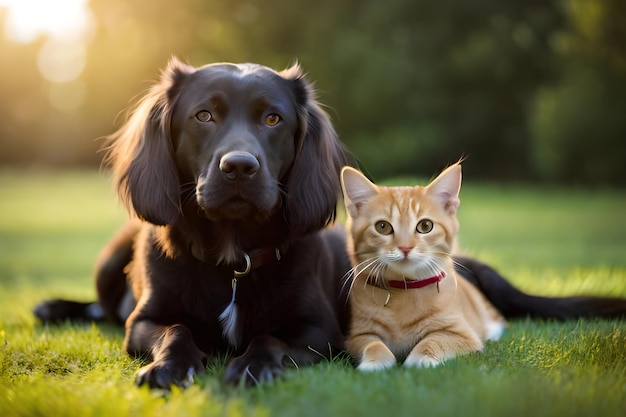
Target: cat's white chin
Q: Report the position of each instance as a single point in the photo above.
(407, 269)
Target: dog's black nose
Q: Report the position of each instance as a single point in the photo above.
(239, 165)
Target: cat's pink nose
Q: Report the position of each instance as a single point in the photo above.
(405, 250)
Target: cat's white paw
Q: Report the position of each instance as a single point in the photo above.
(495, 330)
(370, 366)
(415, 360)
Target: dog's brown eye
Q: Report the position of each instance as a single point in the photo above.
(204, 116)
(424, 226)
(383, 227)
(272, 119)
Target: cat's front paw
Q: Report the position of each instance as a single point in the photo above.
(416, 360)
(373, 365)
(376, 357)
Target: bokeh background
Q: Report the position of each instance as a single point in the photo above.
(531, 91)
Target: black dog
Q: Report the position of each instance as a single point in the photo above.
(233, 172)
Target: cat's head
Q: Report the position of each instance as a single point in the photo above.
(408, 232)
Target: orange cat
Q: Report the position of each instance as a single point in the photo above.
(406, 300)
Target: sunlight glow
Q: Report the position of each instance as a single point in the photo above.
(66, 27)
(26, 20)
(62, 61)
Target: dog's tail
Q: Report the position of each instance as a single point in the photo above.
(513, 303)
(115, 300)
(57, 311)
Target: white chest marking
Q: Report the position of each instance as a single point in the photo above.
(228, 319)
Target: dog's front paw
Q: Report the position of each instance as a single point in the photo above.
(165, 373)
(261, 362)
(252, 371)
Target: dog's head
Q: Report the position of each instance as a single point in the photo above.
(238, 141)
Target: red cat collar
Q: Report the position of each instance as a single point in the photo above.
(416, 283)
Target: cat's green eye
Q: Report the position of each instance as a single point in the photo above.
(424, 226)
(383, 227)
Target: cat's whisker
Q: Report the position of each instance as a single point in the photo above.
(375, 272)
(356, 255)
(350, 277)
(378, 271)
(370, 264)
(438, 254)
(435, 266)
(460, 266)
(363, 266)
(427, 267)
(351, 274)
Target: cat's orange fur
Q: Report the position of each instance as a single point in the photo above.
(422, 326)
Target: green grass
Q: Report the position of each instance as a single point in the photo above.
(548, 241)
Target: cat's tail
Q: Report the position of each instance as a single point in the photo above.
(513, 303)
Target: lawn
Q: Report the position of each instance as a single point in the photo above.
(548, 241)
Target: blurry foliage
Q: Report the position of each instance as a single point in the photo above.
(527, 90)
(578, 124)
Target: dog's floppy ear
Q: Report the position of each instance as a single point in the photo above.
(313, 185)
(141, 152)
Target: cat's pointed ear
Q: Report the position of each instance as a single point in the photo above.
(445, 188)
(357, 189)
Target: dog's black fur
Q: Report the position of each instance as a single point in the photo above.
(225, 161)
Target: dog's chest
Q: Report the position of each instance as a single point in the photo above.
(244, 314)
(236, 309)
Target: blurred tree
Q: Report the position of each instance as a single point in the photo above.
(579, 128)
(411, 85)
(451, 78)
(21, 108)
